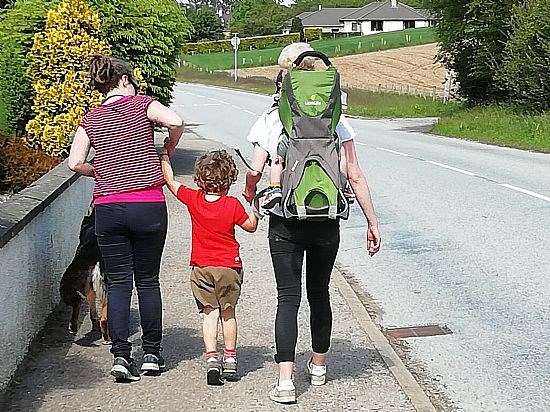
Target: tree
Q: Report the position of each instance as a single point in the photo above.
(472, 37)
(58, 72)
(216, 5)
(524, 72)
(150, 35)
(206, 25)
(258, 17)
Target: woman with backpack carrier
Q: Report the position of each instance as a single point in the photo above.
(302, 224)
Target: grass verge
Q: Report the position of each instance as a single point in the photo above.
(342, 46)
(501, 126)
(494, 125)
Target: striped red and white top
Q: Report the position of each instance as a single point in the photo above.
(126, 159)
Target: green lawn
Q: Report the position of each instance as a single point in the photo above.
(494, 125)
(342, 46)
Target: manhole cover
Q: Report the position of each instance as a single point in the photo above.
(418, 331)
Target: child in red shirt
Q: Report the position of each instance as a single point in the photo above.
(217, 276)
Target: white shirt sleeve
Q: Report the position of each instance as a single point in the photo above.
(267, 131)
(344, 130)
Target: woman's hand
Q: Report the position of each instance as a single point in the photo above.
(373, 239)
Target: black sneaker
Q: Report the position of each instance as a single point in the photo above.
(124, 370)
(153, 363)
(214, 373)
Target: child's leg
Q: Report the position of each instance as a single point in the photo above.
(275, 173)
(229, 328)
(210, 329)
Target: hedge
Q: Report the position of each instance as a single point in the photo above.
(17, 29)
(247, 43)
(20, 165)
(313, 34)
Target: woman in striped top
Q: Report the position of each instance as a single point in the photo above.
(131, 215)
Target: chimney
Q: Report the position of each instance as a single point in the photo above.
(393, 4)
(320, 7)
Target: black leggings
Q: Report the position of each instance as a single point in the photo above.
(131, 240)
(288, 240)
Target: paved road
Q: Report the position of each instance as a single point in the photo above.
(465, 243)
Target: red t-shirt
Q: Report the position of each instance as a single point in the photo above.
(213, 228)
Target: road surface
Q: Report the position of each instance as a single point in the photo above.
(466, 243)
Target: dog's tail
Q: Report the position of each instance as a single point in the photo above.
(98, 284)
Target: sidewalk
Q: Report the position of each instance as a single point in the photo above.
(62, 375)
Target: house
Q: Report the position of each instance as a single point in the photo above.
(327, 19)
(379, 16)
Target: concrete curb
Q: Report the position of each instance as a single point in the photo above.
(405, 379)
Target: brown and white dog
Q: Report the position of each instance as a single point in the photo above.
(84, 279)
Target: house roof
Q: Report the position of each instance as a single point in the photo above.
(325, 17)
(384, 11)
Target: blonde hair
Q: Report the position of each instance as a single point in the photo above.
(291, 52)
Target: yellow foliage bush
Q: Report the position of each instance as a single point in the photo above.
(58, 62)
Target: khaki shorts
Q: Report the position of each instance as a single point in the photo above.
(217, 287)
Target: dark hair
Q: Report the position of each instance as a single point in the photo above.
(105, 72)
(215, 172)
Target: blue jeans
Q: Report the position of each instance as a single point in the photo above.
(131, 239)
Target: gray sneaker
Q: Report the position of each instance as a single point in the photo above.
(153, 363)
(282, 395)
(317, 374)
(229, 369)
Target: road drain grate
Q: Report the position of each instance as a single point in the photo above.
(418, 331)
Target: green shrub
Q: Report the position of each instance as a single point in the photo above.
(58, 72)
(17, 28)
(21, 165)
(527, 57)
(247, 43)
(150, 35)
(312, 34)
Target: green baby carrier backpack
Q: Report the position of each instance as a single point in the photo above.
(310, 108)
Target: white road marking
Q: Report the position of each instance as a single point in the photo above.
(212, 99)
(525, 191)
(205, 104)
(361, 144)
(237, 107)
(222, 102)
(249, 112)
(456, 169)
(394, 152)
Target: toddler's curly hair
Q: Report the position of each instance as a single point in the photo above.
(215, 172)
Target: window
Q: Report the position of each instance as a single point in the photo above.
(411, 24)
(354, 27)
(376, 25)
(335, 30)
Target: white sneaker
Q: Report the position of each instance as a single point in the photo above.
(317, 374)
(285, 393)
